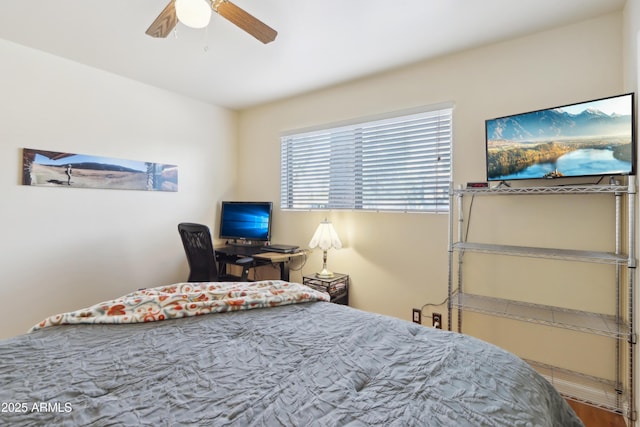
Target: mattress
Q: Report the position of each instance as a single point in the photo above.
(295, 364)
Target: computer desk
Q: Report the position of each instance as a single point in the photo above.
(227, 254)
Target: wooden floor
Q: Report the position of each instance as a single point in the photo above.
(594, 417)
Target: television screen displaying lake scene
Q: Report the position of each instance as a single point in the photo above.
(594, 138)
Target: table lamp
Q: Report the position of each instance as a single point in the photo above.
(325, 238)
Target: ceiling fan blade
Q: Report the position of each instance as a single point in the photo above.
(247, 22)
(165, 22)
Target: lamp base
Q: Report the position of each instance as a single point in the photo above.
(324, 274)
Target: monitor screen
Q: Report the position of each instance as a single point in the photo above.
(592, 138)
(246, 220)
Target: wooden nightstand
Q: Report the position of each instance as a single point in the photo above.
(337, 286)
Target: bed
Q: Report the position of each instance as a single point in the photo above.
(266, 353)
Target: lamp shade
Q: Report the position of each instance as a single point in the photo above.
(325, 237)
(193, 13)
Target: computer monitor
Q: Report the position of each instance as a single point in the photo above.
(246, 222)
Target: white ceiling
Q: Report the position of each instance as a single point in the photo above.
(319, 43)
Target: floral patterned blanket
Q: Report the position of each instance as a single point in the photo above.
(188, 299)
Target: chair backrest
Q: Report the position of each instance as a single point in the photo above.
(198, 246)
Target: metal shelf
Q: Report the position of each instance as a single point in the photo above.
(560, 317)
(565, 189)
(549, 253)
(612, 395)
(594, 391)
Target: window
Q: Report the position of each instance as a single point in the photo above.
(393, 164)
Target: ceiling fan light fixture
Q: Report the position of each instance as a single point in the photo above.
(193, 13)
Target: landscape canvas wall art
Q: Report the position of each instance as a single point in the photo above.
(56, 169)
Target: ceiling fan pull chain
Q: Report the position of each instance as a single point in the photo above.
(206, 40)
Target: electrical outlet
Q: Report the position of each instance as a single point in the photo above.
(417, 316)
(436, 319)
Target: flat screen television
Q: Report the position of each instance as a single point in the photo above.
(246, 221)
(592, 138)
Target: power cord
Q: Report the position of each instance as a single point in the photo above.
(434, 305)
(436, 321)
(302, 264)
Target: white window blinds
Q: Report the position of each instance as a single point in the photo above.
(398, 164)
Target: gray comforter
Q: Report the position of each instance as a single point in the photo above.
(312, 364)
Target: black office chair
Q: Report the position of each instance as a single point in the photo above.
(198, 246)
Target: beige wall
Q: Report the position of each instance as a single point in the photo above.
(631, 46)
(398, 261)
(63, 249)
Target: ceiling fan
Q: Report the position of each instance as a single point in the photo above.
(175, 11)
